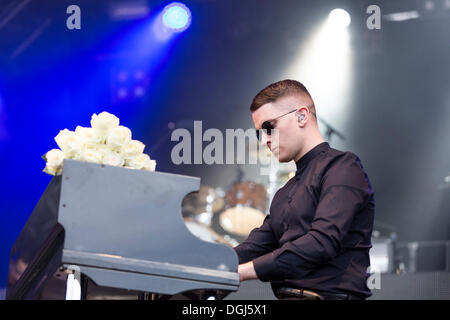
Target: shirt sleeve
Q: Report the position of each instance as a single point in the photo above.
(342, 195)
(259, 242)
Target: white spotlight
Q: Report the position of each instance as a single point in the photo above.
(339, 18)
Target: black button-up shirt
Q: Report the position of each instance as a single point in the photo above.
(318, 232)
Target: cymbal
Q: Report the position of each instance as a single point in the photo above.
(197, 202)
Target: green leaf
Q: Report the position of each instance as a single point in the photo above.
(46, 171)
(44, 157)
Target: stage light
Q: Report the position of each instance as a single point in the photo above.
(402, 16)
(128, 11)
(324, 65)
(139, 91)
(447, 4)
(339, 18)
(429, 5)
(176, 16)
(122, 93)
(122, 76)
(139, 75)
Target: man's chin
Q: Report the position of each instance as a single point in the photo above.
(281, 157)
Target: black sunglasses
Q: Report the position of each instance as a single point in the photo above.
(268, 126)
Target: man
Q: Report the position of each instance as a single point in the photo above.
(315, 242)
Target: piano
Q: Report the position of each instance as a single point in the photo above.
(104, 232)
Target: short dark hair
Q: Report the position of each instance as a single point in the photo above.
(280, 89)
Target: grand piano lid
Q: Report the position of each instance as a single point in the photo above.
(124, 228)
(134, 214)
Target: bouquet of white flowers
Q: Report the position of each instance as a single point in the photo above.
(106, 142)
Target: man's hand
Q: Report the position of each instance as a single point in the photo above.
(247, 271)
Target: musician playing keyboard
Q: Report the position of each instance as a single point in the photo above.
(315, 242)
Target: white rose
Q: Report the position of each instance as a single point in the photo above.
(118, 137)
(53, 171)
(113, 159)
(89, 136)
(150, 165)
(68, 142)
(90, 155)
(104, 122)
(138, 162)
(132, 149)
(55, 158)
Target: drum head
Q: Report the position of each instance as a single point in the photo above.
(204, 232)
(248, 194)
(241, 220)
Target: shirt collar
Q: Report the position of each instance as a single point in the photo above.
(311, 154)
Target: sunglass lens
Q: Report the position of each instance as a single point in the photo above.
(268, 127)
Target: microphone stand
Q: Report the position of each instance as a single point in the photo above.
(331, 131)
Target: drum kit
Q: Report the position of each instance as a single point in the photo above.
(228, 216)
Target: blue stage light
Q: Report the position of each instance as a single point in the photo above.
(176, 16)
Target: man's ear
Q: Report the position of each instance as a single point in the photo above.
(300, 116)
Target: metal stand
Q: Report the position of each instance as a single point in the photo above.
(152, 296)
(331, 131)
